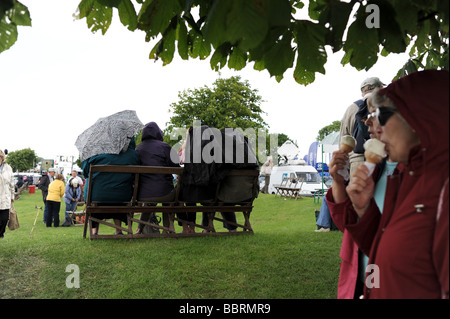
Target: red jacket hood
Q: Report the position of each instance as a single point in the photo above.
(422, 98)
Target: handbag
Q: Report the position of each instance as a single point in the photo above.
(13, 222)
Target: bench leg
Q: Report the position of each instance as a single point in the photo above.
(171, 222)
(130, 224)
(168, 225)
(86, 220)
(90, 229)
(211, 222)
(247, 225)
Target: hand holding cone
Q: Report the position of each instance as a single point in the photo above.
(374, 153)
(347, 145)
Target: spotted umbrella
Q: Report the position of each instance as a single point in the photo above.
(109, 135)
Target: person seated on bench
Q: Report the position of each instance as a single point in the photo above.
(202, 175)
(196, 186)
(236, 154)
(157, 188)
(111, 188)
(72, 195)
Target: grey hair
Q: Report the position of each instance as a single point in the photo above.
(369, 87)
(378, 99)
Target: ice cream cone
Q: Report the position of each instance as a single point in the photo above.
(372, 157)
(346, 148)
(347, 144)
(374, 153)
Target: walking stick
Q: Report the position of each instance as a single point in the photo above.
(37, 214)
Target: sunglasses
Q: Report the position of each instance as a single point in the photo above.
(383, 114)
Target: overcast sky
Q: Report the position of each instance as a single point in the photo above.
(59, 78)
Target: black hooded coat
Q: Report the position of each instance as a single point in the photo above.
(210, 155)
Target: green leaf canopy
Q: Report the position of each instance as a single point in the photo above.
(269, 33)
(12, 14)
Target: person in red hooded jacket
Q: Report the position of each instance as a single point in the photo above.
(353, 261)
(403, 245)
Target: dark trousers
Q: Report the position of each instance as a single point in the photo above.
(189, 217)
(227, 216)
(53, 213)
(45, 212)
(147, 216)
(44, 199)
(4, 217)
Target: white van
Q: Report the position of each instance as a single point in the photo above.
(311, 179)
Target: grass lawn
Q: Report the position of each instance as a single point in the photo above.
(284, 259)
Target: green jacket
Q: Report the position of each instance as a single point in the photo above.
(111, 187)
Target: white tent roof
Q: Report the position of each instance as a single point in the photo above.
(330, 142)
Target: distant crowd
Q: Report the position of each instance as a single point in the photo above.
(53, 189)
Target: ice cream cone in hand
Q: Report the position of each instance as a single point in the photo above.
(347, 144)
(372, 157)
(374, 153)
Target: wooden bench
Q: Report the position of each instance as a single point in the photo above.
(171, 208)
(289, 187)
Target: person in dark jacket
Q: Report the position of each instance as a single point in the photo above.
(156, 188)
(199, 182)
(209, 156)
(43, 184)
(111, 188)
(19, 181)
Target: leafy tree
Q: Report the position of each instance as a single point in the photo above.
(269, 34)
(282, 138)
(333, 127)
(78, 162)
(228, 103)
(22, 160)
(12, 14)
